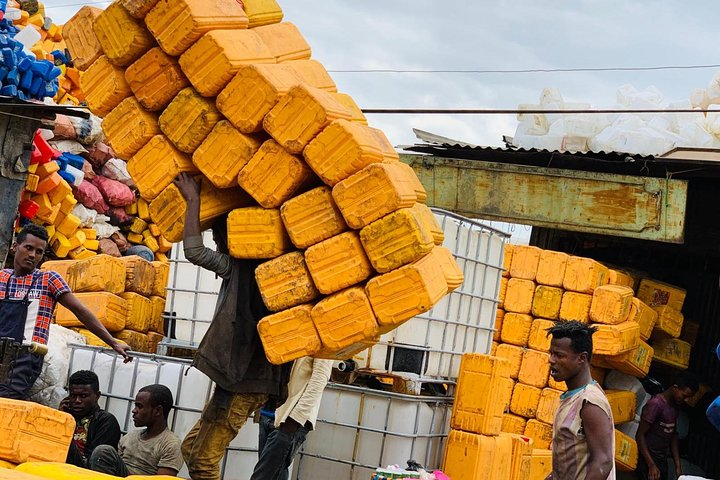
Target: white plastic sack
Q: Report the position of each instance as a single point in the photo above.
(86, 215)
(116, 169)
(620, 381)
(49, 389)
(104, 229)
(70, 146)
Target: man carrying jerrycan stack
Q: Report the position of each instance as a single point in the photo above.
(27, 300)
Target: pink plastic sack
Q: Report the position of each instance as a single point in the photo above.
(89, 195)
(100, 154)
(115, 193)
(88, 171)
(108, 247)
(118, 216)
(121, 242)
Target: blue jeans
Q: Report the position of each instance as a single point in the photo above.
(276, 450)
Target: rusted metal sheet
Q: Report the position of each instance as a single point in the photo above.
(609, 204)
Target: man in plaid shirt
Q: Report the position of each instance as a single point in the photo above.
(27, 300)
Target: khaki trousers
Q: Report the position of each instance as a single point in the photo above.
(222, 418)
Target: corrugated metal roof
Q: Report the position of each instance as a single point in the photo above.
(678, 163)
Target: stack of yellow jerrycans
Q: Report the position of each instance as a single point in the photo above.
(228, 92)
(541, 287)
(127, 295)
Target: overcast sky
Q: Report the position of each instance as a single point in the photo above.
(482, 35)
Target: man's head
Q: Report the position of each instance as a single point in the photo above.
(685, 385)
(219, 233)
(84, 390)
(30, 245)
(570, 349)
(152, 405)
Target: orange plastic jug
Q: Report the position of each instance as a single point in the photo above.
(338, 262)
(129, 127)
(273, 175)
(33, 432)
(224, 153)
(611, 304)
(551, 268)
(285, 282)
(284, 41)
(155, 79)
(189, 119)
(80, 37)
(110, 309)
(156, 165)
(105, 86)
(312, 217)
(255, 232)
(289, 335)
(123, 38)
(547, 301)
(97, 274)
(139, 312)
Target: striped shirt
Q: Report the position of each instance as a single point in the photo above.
(47, 287)
(569, 447)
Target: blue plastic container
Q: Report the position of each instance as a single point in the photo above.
(717, 351)
(713, 413)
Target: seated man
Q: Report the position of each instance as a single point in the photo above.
(93, 425)
(154, 450)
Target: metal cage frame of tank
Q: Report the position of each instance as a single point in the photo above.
(435, 358)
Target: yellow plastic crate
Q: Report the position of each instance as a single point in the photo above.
(156, 165)
(669, 322)
(540, 464)
(525, 260)
(155, 79)
(644, 315)
(548, 405)
(539, 339)
(110, 310)
(255, 232)
(541, 433)
(80, 37)
(478, 405)
(584, 275)
(470, 456)
(123, 38)
(97, 274)
(345, 322)
(525, 400)
(177, 24)
(626, 452)
(168, 209)
(285, 282)
(623, 405)
(224, 153)
(551, 268)
(33, 432)
(396, 239)
(512, 423)
(139, 275)
(673, 352)
(616, 339)
(312, 217)
(105, 86)
(162, 273)
(139, 312)
(546, 302)
(301, 115)
(289, 335)
(399, 295)
(611, 304)
(373, 192)
(535, 368)
(575, 306)
(284, 41)
(268, 82)
(342, 149)
(189, 119)
(516, 328)
(519, 295)
(636, 362)
(338, 262)
(273, 175)
(212, 61)
(657, 294)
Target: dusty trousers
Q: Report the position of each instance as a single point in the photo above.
(222, 418)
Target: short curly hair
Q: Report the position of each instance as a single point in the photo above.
(580, 335)
(85, 377)
(33, 229)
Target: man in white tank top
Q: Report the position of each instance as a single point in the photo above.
(583, 446)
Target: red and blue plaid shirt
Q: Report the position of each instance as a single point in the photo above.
(47, 288)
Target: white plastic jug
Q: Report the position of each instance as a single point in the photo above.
(28, 36)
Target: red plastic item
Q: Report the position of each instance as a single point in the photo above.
(28, 209)
(46, 152)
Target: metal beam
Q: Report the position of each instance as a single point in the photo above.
(608, 204)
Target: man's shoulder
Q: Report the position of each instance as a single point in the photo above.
(105, 416)
(169, 437)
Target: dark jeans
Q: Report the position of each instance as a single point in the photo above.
(643, 469)
(276, 450)
(26, 369)
(105, 459)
